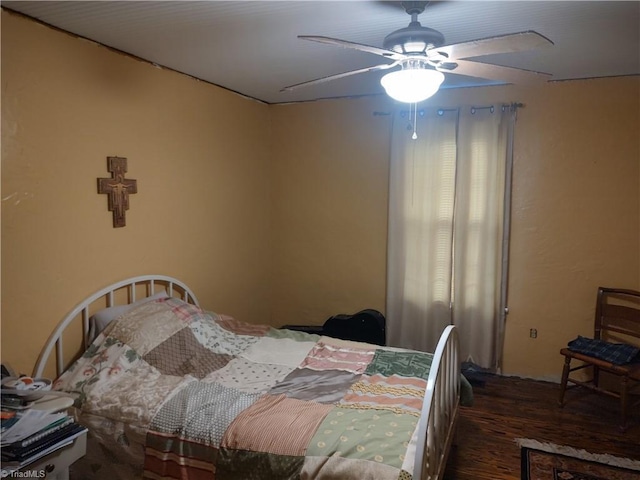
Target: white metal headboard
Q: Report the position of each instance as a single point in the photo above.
(150, 284)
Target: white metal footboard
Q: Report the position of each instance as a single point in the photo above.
(440, 409)
(140, 287)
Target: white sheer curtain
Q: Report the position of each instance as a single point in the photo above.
(446, 229)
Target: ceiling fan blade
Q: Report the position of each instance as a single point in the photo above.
(339, 75)
(355, 46)
(513, 42)
(494, 72)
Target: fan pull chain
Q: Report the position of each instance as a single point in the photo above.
(415, 120)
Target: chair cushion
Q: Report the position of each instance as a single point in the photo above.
(630, 370)
(616, 353)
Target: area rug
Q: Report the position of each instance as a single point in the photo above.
(547, 461)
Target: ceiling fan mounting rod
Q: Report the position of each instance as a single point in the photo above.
(414, 9)
(413, 39)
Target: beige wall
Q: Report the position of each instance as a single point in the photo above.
(278, 214)
(199, 155)
(576, 207)
(330, 171)
(576, 217)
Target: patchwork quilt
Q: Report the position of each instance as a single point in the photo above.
(221, 399)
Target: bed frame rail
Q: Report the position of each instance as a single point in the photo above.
(150, 284)
(440, 409)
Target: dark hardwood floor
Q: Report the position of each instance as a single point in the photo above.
(506, 408)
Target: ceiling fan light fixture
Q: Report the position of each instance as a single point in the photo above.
(412, 85)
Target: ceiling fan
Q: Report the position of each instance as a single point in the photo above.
(423, 58)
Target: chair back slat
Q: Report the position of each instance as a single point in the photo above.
(617, 310)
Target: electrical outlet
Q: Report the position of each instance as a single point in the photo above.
(533, 333)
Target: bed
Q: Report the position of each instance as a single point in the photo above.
(169, 390)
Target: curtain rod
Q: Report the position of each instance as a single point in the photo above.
(473, 109)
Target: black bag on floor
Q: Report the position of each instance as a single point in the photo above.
(365, 326)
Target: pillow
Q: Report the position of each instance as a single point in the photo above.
(99, 320)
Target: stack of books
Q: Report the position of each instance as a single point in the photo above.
(32, 434)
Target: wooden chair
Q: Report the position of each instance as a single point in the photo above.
(617, 321)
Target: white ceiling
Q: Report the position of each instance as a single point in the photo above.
(251, 47)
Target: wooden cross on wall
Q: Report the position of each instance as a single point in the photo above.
(118, 188)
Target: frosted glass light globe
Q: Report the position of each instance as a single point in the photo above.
(412, 85)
